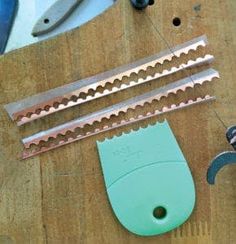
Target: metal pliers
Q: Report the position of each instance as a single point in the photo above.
(225, 158)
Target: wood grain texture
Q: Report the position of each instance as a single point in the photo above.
(59, 197)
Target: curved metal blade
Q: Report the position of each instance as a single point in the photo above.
(7, 15)
(54, 16)
(218, 163)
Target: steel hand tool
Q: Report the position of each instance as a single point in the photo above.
(225, 158)
(54, 16)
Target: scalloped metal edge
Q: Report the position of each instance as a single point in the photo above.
(122, 123)
(163, 110)
(114, 110)
(39, 102)
(191, 63)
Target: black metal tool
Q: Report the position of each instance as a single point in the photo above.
(225, 158)
(141, 4)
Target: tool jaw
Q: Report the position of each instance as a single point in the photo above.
(218, 163)
(223, 159)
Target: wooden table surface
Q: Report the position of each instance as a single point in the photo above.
(59, 197)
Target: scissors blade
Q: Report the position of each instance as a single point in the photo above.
(54, 16)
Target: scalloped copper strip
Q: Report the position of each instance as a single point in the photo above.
(132, 103)
(191, 63)
(122, 123)
(39, 105)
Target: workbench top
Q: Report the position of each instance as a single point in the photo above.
(59, 196)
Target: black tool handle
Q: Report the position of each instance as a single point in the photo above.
(141, 4)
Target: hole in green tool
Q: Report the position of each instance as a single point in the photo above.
(159, 213)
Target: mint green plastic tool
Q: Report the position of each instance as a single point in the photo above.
(148, 180)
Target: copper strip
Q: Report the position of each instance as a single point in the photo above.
(26, 154)
(51, 101)
(199, 61)
(149, 97)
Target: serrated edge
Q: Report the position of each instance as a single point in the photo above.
(191, 63)
(119, 124)
(106, 113)
(161, 58)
